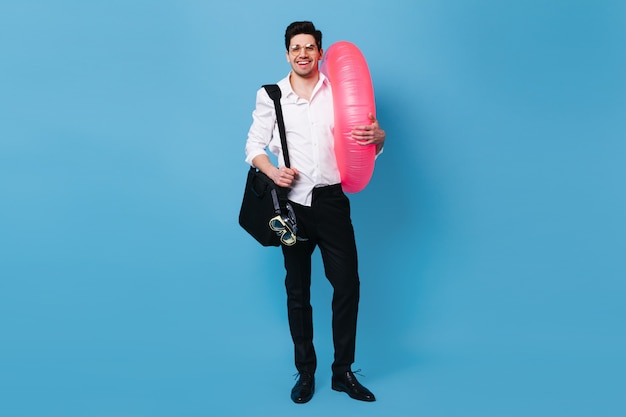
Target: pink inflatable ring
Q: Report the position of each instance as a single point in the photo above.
(353, 100)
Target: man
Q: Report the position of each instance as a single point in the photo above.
(322, 209)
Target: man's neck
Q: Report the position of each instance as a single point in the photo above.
(302, 86)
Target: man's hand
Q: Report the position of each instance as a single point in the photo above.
(370, 134)
(284, 176)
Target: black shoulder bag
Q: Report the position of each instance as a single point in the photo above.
(264, 207)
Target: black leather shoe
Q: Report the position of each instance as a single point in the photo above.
(346, 382)
(303, 391)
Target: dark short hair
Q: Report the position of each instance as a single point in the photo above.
(306, 28)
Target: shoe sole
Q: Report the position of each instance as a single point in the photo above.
(303, 401)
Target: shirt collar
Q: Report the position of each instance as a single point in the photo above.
(288, 92)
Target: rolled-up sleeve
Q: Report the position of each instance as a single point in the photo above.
(262, 128)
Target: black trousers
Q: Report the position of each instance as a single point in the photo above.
(327, 225)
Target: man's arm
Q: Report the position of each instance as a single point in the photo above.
(259, 137)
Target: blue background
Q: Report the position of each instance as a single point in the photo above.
(491, 237)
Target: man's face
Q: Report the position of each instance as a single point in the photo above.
(304, 55)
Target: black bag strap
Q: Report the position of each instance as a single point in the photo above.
(274, 92)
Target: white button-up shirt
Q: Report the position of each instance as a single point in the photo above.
(309, 129)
